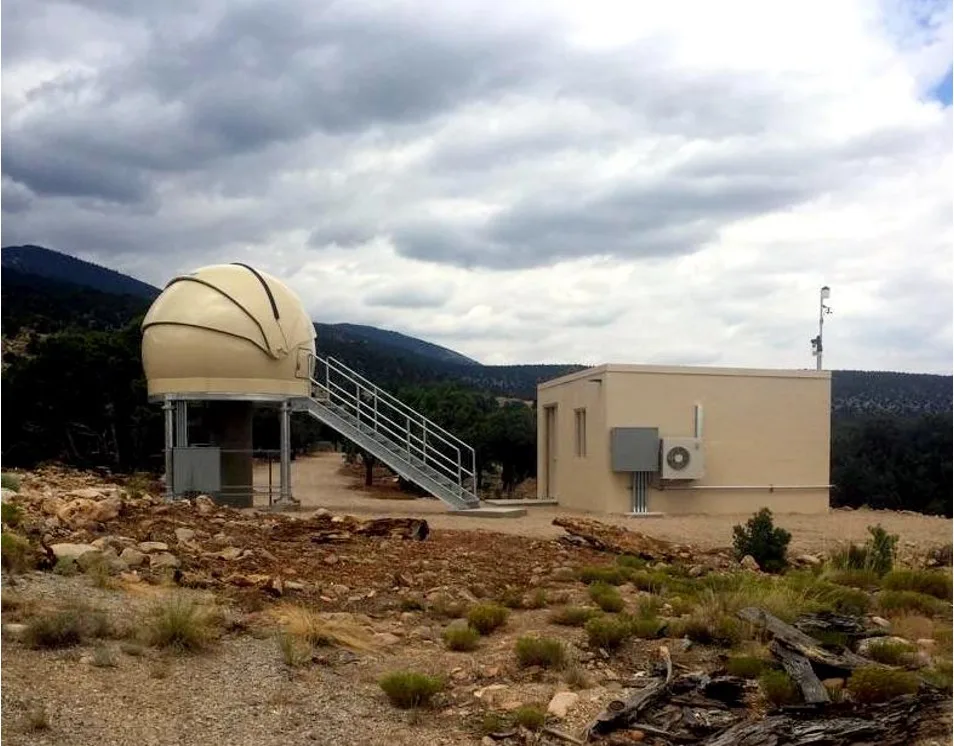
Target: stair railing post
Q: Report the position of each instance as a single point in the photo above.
(408, 435)
(375, 421)
(424, 442)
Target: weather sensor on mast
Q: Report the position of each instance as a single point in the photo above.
(823, 310)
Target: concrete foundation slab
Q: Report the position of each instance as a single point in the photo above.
(491, 511)
(521, 503)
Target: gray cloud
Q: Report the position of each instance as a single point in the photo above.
(409, 297)
(347, 143)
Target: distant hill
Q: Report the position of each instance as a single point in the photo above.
(53, 265)
(388, 339)
(45, 290)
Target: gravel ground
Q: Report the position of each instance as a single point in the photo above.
(318, 482)
(238, 693)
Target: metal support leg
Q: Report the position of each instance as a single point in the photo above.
(284, 490)
(182, 424)
(168, 410)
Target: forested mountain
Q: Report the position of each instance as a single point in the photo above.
(53, 265)
(45, 290)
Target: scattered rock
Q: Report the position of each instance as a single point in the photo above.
(106, 510)
(153, 546)
(696, 571)
(386, 639)
(748, 563)
(87, 493)
(14, 631)
(926, 644)
(184, 534)
(809, 559)
(294, 585)
(331, 559)
(52, 506)
(864, 646)
(204, 505)
(71, 551)
(561, 704)
(132, 557)
(881, 622)
(230, 553)
(163, 559)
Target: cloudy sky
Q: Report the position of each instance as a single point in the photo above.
(523, 181)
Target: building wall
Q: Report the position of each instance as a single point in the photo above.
(764, 433)
(580, 483)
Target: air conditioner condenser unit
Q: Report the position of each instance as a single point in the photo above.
(681, 459)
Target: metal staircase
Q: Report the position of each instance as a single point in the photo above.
(413, 446)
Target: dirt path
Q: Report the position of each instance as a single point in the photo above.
(318, 482)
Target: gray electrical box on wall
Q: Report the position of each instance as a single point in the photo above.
(635, 448)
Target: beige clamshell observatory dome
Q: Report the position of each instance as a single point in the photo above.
(227, 329)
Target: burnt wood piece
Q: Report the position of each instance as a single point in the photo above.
(798, 667)
(900, 722)
(801, 643)
(621, 712)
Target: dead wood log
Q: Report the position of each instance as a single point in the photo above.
(617, 540)
(798, 667)
(327, 529)
(825, 621)
(801, 643)
(621, 712)
(902, 721)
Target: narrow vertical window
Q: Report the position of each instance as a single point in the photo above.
(580, 421)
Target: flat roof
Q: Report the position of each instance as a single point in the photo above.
(685, 370)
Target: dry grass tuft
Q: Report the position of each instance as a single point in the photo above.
(179, 623)
(318, 629)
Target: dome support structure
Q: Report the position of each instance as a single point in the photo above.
(225, 339)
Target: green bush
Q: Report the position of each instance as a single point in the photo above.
(530, 717)
(406, 689)
(745, 666)
(855, 578)
(892, 652)
(461, 638)
(763, 541)
(573, 616)
(895, 601)
(709, 629)
(871, 684)
(778, 688)
(608, 633)
(65, 628)
(511, 598)
(179, 623)
(606, 597)
(935, 583)
(650, 581)
(536, 600)
(646, 627)
(845, 600)
(940, 675)
(602, 574)
(540, 651)
(487, 617)
(10, 482)
(16, 554)
(876, 555)
(11, 515)
(630, 562)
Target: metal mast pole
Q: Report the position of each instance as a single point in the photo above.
(822, 310)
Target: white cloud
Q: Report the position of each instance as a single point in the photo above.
(528, 182)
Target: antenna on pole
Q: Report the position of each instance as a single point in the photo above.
(823, 311)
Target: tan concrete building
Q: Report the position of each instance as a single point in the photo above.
(663, 440)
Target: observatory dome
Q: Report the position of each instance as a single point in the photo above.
(227, 329)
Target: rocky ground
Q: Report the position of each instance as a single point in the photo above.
(382, 600)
